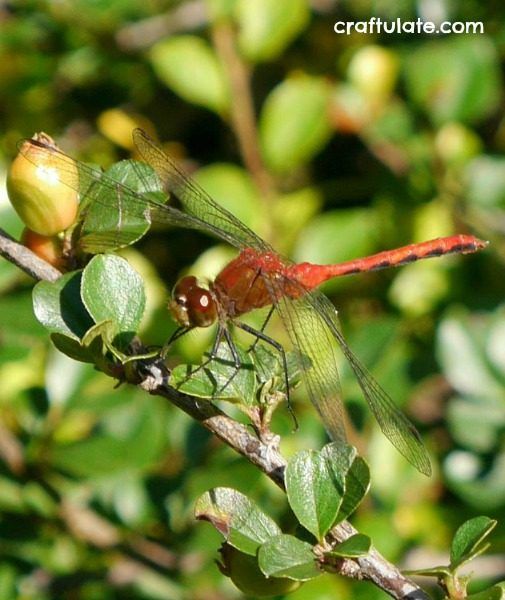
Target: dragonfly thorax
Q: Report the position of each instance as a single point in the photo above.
(191, 304)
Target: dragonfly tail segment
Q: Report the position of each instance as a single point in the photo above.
(311, 276)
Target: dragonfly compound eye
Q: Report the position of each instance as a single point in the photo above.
(201, 307)
(192, 305)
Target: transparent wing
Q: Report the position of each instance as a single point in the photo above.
(193, 198)
(312, 339)
(314, 328)
(130, 205)
(393, 423)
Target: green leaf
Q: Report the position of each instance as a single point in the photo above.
(58, 306)
(268, 26)
(476, 423)
(39, 500)
(240, 521)
(219, 379)
(440, 572)
(287, 556)
(233, 188)
(357, 484)
(294, 124)
(468, 538)
(357, 545)
(455, 79)
(113, 220)
(268, 366)
(136, 440)
(188, 65)
(497, 592)
(314, 491)
(291, 213)
(463, 358)
(245, 573)
(112, 290)
(480, 485)
(486, 181)
(71, 347)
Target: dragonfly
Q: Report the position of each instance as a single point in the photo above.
(257, 278)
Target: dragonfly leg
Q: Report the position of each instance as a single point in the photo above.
(212, 353)
(179, 332)
(261, 329)
(236, 359)
(260, 335)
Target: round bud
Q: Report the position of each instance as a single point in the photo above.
(456, 144)
(243, 570)
(48, 248)
(374, 71)
(34, 183)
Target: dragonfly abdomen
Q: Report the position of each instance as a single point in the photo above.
(311, 276)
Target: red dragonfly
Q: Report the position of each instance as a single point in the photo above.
(259, 277)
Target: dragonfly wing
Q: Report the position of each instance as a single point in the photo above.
(129, 205)
(393, 423)
(194, 199)
(313, 339)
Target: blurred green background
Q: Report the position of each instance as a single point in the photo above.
(360, 143)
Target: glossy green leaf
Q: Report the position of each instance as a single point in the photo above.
(357, 545)
(287, 556)
(237, 518)
(455, 79)
(357, 484)
(294, 124)
(469, 537)
(58, 306)
(71, 347)
(314, 491)
(269, 367)
(245, 573)
(112, 290)
(112, 219)
(188, 65)
(268, 26)
(219, 378)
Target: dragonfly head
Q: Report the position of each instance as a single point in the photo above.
(191, 304)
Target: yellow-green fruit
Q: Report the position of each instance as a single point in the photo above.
(246, 575)
(373, 70)
(34, 183)
(48, 248)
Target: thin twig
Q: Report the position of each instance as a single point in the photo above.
(372, 567)
(25, 259)
(242, 114)
(143, 34)
(262, 453)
